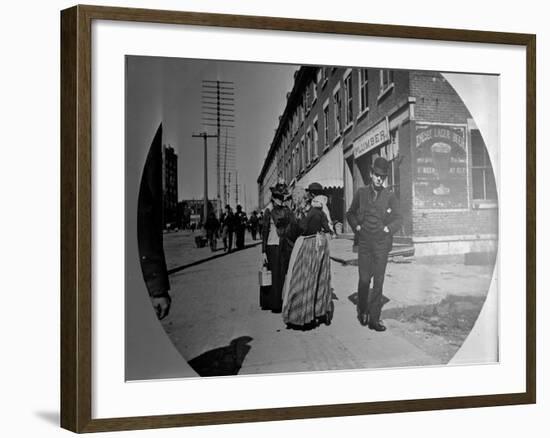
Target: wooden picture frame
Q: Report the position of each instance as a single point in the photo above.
(76, 218)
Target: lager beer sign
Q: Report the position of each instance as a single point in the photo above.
(441, 167)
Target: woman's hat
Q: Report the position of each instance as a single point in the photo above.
(280, 191)
(315, 188)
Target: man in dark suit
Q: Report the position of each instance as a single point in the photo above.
(240, 227)
(228, 227)
(374, 216)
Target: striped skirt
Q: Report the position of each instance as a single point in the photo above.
(307, 293)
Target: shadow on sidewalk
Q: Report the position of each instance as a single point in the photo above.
(212, 257)
(222, 361)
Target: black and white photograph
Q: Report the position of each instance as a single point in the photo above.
(308, 218)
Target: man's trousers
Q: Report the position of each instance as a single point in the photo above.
(373, 258)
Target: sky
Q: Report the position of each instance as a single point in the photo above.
(260, 97)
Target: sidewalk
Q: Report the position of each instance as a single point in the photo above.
(411, 282)
(216, 324)
(432, 303)
(341, 250)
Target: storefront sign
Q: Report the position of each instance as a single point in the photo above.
(441, 167)
(375, 136)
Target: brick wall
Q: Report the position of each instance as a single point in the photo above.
(436, 99)
(405, 169)
(445, 223)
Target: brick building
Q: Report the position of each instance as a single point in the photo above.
(303, 149)
(169, 186)
(338, 120)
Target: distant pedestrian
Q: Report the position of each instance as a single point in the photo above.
(253, 224)
(260, 221)
(228, 227)
(374, 216)
(278, 236)
(212, 226)
(240, 227)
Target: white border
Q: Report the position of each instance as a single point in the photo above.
(114, 398)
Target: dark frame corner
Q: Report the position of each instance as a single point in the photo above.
(76, 173)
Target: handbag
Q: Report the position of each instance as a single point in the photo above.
(264, 276)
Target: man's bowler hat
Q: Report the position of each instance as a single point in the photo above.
(380, 166)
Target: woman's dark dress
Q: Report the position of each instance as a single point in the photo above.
(278, 256)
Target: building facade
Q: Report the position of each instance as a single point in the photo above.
(194, 207)
(338, 120)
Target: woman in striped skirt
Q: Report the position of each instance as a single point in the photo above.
(307, 294)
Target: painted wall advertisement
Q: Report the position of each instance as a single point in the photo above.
(441, 167)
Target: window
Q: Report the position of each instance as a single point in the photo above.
(483, 178)
(363, 90)
(386, 80)
(320, 75)
(348, 88)
(303, 154)
(337, 103)
(307, 99)
(301, 112)
(314, 90)
(308, 147)
(315, 139)
(289, 169)
(325, 124)
(325, 75)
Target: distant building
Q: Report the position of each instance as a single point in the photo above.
(193, 207)
(338, 120)
(170, 186)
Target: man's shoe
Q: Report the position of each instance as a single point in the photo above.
(363, 318)
(377, 326)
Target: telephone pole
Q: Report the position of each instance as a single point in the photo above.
(218, 110)
(236, 188)
(205, 137)
(228, 194)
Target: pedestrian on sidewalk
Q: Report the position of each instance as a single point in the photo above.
(375, 217)
(253, 224)
(212, 226)
(240, 227)
(278, 236)
(260, 222)
(228, 225)
(307, 294)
